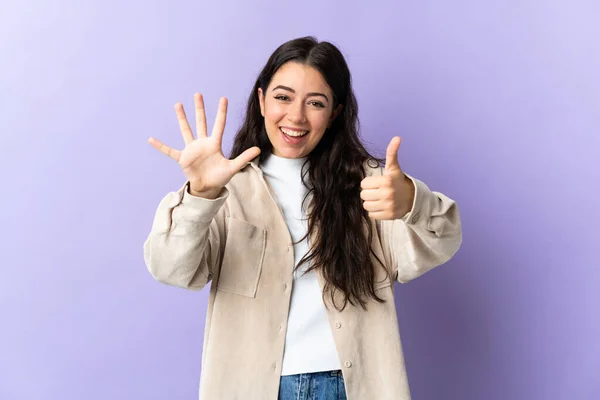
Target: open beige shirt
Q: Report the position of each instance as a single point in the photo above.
(240, 243)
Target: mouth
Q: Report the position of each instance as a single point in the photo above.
(293, 133)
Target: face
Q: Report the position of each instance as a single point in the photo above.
(297, 108)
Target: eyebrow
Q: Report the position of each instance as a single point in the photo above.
(289, 89)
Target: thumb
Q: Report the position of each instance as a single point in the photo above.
(240, 161)
(391, 155)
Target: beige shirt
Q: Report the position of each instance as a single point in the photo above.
(241, 244)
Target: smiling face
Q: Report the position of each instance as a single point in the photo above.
(297, 108)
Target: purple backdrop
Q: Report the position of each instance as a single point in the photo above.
(498, 103)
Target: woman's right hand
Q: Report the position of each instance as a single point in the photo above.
(202, 159)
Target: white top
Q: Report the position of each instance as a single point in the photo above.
(309, 345)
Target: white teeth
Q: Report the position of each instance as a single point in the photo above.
(290, 132)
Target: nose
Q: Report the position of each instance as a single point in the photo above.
(296, 113)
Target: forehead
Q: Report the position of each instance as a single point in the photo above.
(300, 77)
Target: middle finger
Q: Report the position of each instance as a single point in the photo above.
(200, 115)
(370, 194)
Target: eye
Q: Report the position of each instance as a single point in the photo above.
(317, 104)
(282, 97)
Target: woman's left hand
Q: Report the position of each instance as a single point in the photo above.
(391, 195)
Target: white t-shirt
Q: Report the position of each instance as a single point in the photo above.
(309, 345)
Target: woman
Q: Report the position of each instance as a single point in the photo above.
(302, 234)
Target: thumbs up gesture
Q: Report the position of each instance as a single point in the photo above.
(389, 196)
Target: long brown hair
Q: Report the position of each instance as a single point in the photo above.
(336, 166)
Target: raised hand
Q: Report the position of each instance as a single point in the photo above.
(389, 196)
(202, 159)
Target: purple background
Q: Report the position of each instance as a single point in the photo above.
(498, 103)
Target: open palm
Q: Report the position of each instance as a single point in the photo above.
(202, 159)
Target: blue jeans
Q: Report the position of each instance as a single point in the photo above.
(327, 385)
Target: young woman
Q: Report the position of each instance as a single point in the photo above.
(301, 233)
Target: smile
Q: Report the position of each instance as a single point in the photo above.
(293, 133)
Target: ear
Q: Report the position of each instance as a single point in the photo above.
(261, 100)
(334, 114)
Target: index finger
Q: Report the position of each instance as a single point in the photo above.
(219, 126)
(374, 182)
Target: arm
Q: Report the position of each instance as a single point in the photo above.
(426, 237)
(185, 244)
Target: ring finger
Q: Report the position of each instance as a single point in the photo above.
(184, 126)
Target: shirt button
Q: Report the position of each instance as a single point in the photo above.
(285, 287)
(348, 364)
(274, 366)
(415, 218)
(338, 325)
(280, 328)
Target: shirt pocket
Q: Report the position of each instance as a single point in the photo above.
(242, 258)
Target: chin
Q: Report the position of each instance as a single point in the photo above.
(286, 152)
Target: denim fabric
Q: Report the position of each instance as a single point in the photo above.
(315, 386)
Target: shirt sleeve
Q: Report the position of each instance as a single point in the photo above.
(426, 237)
(185, 242)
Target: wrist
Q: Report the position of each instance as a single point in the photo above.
(210, 194)
(409, 189)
